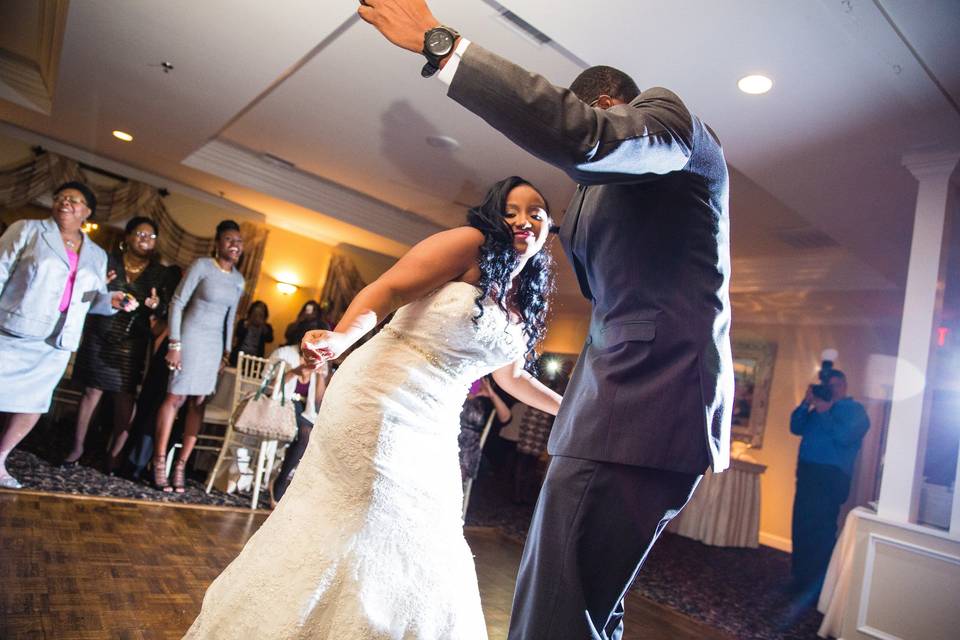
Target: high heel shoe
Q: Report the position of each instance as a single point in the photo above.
(180, 476)
(69, 464)
(160, 475)
(9, 482)
(108, 465)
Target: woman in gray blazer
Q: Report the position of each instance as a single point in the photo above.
(51, 276)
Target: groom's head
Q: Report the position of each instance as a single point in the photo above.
(604, 87)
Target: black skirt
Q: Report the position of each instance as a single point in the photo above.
(112, 355)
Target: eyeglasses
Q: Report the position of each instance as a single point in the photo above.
(144, 235)
(73, 200)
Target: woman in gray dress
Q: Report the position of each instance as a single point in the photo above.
(51, 276)
(201, 319)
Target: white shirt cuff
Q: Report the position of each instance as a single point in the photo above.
(450, 69)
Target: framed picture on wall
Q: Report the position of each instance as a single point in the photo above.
(753, 372)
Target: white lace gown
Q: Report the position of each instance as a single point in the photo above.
(367, 542)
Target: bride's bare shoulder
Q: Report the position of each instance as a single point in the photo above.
(466, 236)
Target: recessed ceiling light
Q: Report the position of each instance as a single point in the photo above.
(122, 135)
(443, 142)
(755, 84)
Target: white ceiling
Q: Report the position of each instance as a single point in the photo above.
(816, 163)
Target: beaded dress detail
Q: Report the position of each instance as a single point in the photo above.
(367, 542)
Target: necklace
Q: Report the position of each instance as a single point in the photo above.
(131, 270)
(217, 262)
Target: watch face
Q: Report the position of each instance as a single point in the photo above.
(440, 42)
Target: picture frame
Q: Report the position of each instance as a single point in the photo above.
(753, 373)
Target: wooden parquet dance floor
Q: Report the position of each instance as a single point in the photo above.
(90, 568)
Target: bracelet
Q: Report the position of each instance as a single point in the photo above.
(174, 346)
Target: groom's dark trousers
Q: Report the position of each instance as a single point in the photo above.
(593, 526)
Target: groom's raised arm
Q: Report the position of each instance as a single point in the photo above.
(649, 137)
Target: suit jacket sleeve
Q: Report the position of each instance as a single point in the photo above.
(651, 136)
(103, 303)
(11, 245)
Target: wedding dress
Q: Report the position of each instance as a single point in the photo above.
(367, 543)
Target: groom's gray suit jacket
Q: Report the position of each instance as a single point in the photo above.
(648, 234)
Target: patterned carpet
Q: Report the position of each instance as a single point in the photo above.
(740, 591)
(38, 474)
(35, 464)
(737, 590)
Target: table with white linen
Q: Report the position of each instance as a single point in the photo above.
(836, 585)
(725, 509)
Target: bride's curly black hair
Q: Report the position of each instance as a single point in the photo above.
(529, 295)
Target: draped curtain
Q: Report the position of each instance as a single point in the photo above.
(24, 182)
(342, 284)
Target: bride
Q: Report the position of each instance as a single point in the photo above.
(367, 542)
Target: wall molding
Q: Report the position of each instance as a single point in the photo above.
(825, 269)
(33, 78)
(776, 542)
(873, 541)
(75, 153)
(250, 169)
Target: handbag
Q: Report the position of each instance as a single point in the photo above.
(257, 414)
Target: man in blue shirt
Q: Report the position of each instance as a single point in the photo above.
(831, 431)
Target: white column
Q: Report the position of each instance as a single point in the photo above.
(923, 301)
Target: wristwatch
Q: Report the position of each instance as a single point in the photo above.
(437, 44)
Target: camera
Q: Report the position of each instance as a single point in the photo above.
(823, 390)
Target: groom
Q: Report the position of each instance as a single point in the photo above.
(648, 407)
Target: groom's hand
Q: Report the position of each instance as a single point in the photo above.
(402, 22)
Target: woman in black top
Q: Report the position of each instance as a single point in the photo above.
(253, 332)
(154, 387)
(481, 400)
(309, 312)
(113, 352)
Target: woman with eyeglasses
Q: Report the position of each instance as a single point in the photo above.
(51, 276)
(114, 349)
(202, 314)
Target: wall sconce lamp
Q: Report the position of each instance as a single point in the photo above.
(286, 288)
(89, 226)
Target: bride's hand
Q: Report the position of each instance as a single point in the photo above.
(318, 346)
